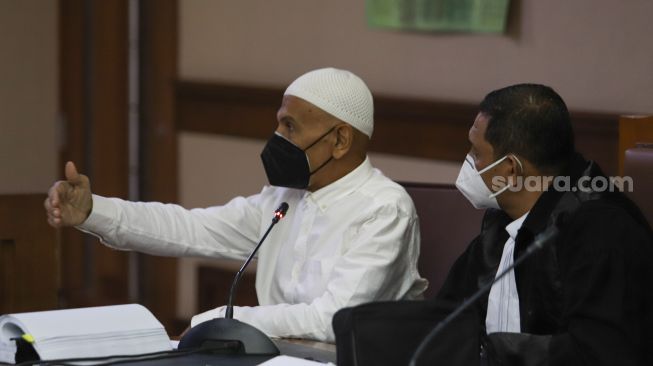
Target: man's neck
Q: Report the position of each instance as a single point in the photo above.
(331, 174)
(521, 203)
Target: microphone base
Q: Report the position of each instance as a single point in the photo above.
(228, 336)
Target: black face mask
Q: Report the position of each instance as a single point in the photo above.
(286, 165)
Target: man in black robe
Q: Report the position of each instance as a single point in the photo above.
(586, 298)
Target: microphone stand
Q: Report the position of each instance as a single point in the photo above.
(538, 243)
(278, 215)
(230, 333)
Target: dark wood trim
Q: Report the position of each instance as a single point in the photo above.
(71, 110)
(250, 112)
(227, 109)
(29, 269)
(93, 103)
(93, 106)
(158, 20)
(158, 74)
(597, 137)
(403, 126)
(633, 130)
(421, 128)
(107, 70)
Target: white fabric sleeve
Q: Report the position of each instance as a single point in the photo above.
(379, 264)
(229, 231)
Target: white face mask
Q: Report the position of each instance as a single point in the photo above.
(472, 186)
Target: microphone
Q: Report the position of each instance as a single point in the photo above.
(278, 215)
(229, 333)
(538, 243)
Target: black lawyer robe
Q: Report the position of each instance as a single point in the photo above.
(586, 298)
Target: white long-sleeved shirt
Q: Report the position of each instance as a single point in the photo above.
(353, 241)
(503, 302)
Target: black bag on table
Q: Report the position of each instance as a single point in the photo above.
(388, 333)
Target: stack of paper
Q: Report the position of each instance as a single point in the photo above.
(86, 332)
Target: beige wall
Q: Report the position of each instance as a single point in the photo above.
(596, 53)
(28, 95)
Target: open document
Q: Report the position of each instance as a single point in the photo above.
(87, 332)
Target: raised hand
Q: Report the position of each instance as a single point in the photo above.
(69, 201)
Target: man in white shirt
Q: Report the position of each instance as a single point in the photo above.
(351, 235)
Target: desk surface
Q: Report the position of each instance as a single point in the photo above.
(327, 347)
(200, 359)
(316, 351)
(312, 350)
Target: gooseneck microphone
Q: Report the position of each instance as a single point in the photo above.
(538, 243)
(278, 215)
(229, 334)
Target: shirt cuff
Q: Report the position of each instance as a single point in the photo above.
(208, 315)
(102, 216)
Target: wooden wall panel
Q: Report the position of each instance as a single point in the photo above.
(597, 137)
(93, 106)
(633, 130)
(29, 262)
(107, 129)
(410, 127)
(71, 108)
(227, 109)
(158, 147)
(94, 79)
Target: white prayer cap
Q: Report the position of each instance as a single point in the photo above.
(339, 93)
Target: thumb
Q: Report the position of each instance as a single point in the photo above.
(72, 176)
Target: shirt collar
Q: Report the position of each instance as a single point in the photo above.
(513, 227)
(329, 194)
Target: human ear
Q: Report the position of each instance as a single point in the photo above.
(344, 140)
(516, 169)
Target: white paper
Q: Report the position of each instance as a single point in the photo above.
(48, 325)
(87, 332)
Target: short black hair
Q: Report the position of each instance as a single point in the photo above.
(530, 120)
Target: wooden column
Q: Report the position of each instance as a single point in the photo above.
(93, 106)
(633, 130)
(159, 146)
(93, 103)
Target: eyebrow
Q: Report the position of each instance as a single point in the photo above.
(288, 118)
